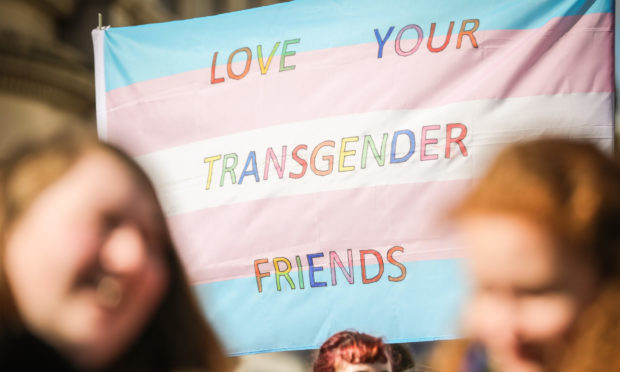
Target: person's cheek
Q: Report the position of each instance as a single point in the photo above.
(79, 243)
(155, 284)
(547, 317)
(483, 316)
(144, 297)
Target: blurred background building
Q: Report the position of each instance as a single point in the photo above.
(46, 55)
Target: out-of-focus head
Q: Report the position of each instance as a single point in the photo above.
(86, 260)
(402, 360)
(83, 248)
(542, 232)
(350, 351)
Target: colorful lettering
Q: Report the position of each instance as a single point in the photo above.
(265, 67)
(229, 168)
(300, 272)
(458, 140)
(382, 41)
(283, 269)
(328, 158)
(424, 141)
(378, 155)
(248, 55)
(259, 275)
(312, 269)
(322, 161)
(302, 162)
(344, 153)
(408, 133)
(397, 47)
(334, 260)
(283, 273)
(403, 269)
(469, 33)
(377, 255)
(250, 161)
(271, 156)
(210, 160)
(286, 53)
(215, 80)
(445, 44)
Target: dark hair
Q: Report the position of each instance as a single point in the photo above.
(402, 360)
(177, 336)
(352, 347)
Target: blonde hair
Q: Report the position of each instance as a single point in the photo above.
(177, 337)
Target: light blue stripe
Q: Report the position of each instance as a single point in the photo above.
(134, 54)
(422, 307)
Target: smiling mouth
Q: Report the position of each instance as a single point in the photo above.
(109, 292)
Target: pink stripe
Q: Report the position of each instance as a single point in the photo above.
(222, 243)
(568, 55)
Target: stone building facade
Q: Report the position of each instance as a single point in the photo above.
(46, 55)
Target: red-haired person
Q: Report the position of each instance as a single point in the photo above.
(542, 235)
(351, 351)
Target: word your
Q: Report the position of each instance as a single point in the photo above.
(262, 64)
(465, 31)
(345, 159)
(282, 269)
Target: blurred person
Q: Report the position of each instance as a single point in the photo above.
(402, 360)
(542, 236)
(351, 351)
(89, 277)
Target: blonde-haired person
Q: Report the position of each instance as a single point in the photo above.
(89, 277)
(542, 236)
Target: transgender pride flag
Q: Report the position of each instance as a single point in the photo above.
(306, 152)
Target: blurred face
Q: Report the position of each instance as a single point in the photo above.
(527, 295)
(343, 366)
(85, 263)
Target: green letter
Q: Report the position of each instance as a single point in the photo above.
(380, 158)
(286, 54)
(229, 169)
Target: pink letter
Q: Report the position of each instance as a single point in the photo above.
(426, 141)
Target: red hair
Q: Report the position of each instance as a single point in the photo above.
(352, 347)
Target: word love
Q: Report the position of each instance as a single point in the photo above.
(468, 27)
(262, 64)
(282, 268)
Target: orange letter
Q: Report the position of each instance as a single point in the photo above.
(445, 43)
(402, 268)
(328, 158)
(363, 254)
(469, 33)
(259, 275)
(213, 79)
(248, 53)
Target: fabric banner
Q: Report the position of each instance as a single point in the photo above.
(306, 153)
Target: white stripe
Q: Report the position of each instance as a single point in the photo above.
(180, 175)
(100, 96)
